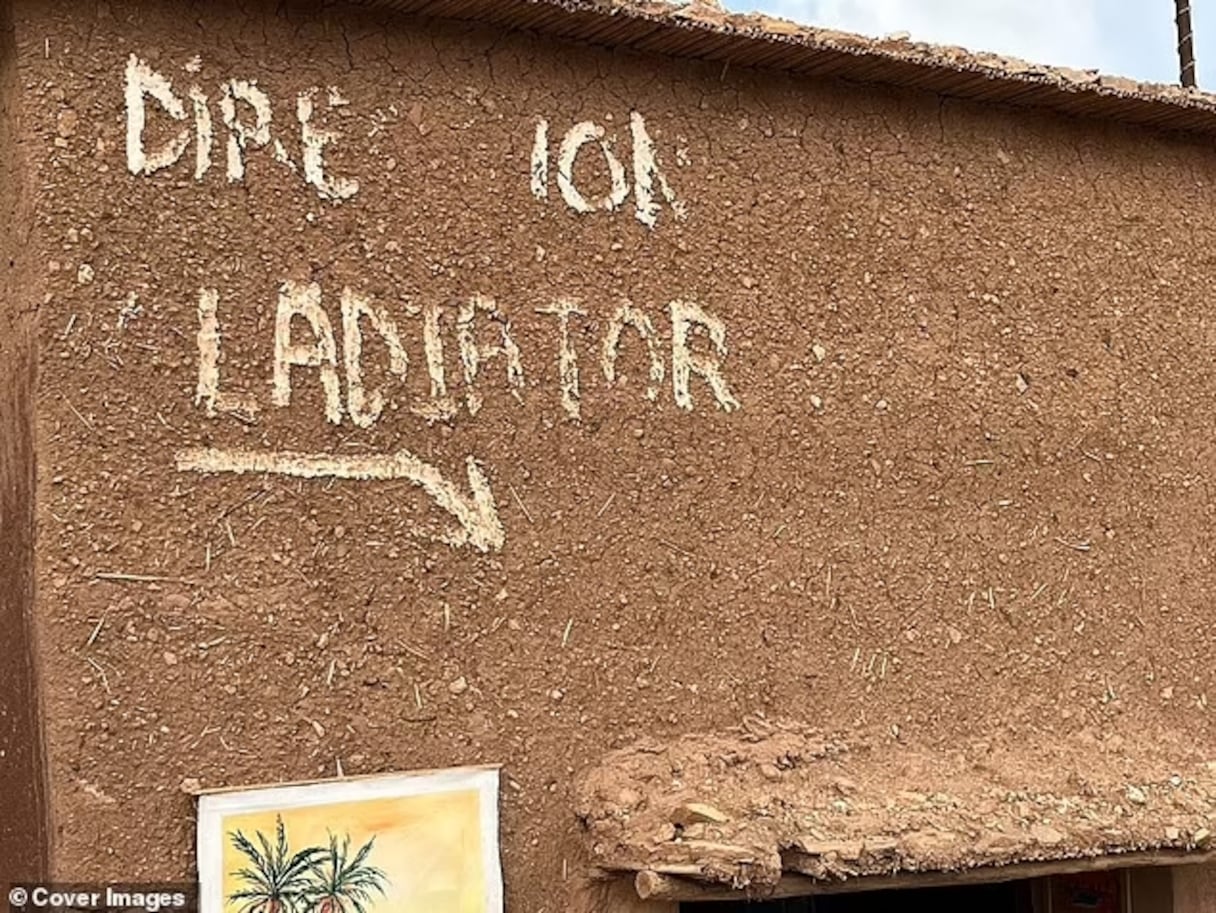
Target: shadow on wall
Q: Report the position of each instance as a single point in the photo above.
(24, 849)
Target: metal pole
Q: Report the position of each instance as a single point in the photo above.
(1186, 42)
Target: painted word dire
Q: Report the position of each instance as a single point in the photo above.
(650, 186)
(245, 111)
(305, 340)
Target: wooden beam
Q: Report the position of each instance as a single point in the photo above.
(660, 886)
(1186, 42)
(652, 885)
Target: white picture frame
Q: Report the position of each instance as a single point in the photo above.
(215, 808)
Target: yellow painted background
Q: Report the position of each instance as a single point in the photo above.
(429, 847)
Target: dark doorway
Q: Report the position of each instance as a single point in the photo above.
(1011, 897)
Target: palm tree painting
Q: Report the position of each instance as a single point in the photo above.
(312, 880)
(342, 883)
(423, 842)
(276, 879)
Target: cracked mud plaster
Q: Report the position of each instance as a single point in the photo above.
(892, 533)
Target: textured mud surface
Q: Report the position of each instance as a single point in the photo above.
(965, 495)
(744, 807)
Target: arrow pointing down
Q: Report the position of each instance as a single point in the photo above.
(476, 513)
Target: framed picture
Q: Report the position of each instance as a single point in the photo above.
(400, 843)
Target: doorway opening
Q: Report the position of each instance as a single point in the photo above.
(1086, 892)
(1012, 897)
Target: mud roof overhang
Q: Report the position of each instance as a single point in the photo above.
(699, 30)
(775, 810)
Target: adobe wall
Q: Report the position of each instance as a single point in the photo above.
(23, 831)
(952, 485)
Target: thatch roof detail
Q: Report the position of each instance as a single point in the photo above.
(701, 30)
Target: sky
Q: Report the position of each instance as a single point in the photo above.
(1134, 38)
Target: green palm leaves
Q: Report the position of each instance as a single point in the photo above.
(342, 884)
(313, 880)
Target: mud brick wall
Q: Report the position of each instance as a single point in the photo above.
(412, 394)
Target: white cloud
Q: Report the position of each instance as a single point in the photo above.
(1059, 32)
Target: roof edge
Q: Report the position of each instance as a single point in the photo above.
(700, 30)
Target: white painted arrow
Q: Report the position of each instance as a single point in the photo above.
(477, 514)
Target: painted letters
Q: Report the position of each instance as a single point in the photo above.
(472, 355)
(305, 338)
(314, 140)
(365, 410)
(629, 316)
(246, 111)
(567, 357)
(243, 136)
(144, 83)
(300, 300)
(684, 362)
(648, 176)
(579, 136)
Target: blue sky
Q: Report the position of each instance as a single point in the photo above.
(1123, 37)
